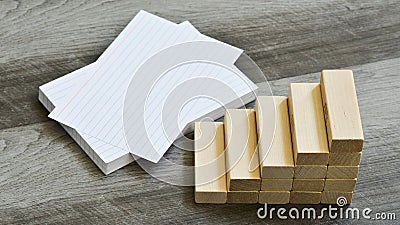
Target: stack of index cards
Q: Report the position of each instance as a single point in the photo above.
(108, 111)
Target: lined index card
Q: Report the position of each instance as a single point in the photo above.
(57, 93)
(97, 107)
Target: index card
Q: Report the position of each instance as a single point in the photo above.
(107, 157)
(173, 99)
(97, 108)
(57, 93)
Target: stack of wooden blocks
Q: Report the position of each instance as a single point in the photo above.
(304, 149)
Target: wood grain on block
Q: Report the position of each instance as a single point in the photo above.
(333, 197)
(305, 197)
(341, 110)
(310, 172)
(248, 197)
(209, 160)
(344, 159)
(274, 137)
(243, 172)
(308, 184)
(342, 172)
(276, 184)
(310, 145)
(340, 184)
(274, 197)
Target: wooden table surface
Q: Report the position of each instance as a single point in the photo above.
(46, 178)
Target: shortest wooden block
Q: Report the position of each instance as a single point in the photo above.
(342, 172)
(308, 184)
(276, 184)
(246, 197)
(274, 197)
(309, 172)
(305, 197)
(209, 160)
(344, 159)
(335, 197)
(340, 184)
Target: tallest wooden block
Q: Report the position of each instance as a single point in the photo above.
(310, 145)
(341, 111)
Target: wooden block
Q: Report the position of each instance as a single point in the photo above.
(344, 159)
(310, 145)
(274, 197)
(243, 172)
(305, 197)
(342, 172)
(248, 197)
(274, 137)
(331, 197)
(342, 115)
(340, 185)
(308, 184)
(310, 172)
(209, 160)
(276, 184)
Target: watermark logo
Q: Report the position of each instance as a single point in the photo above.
(341, 201)
(331, 212)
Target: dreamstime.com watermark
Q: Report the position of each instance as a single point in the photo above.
(331, 212)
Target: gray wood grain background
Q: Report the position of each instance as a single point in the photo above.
(46, 178)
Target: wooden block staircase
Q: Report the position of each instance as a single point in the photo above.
(301, 149)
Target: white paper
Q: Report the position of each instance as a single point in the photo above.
(96, 109)
(59, 91)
